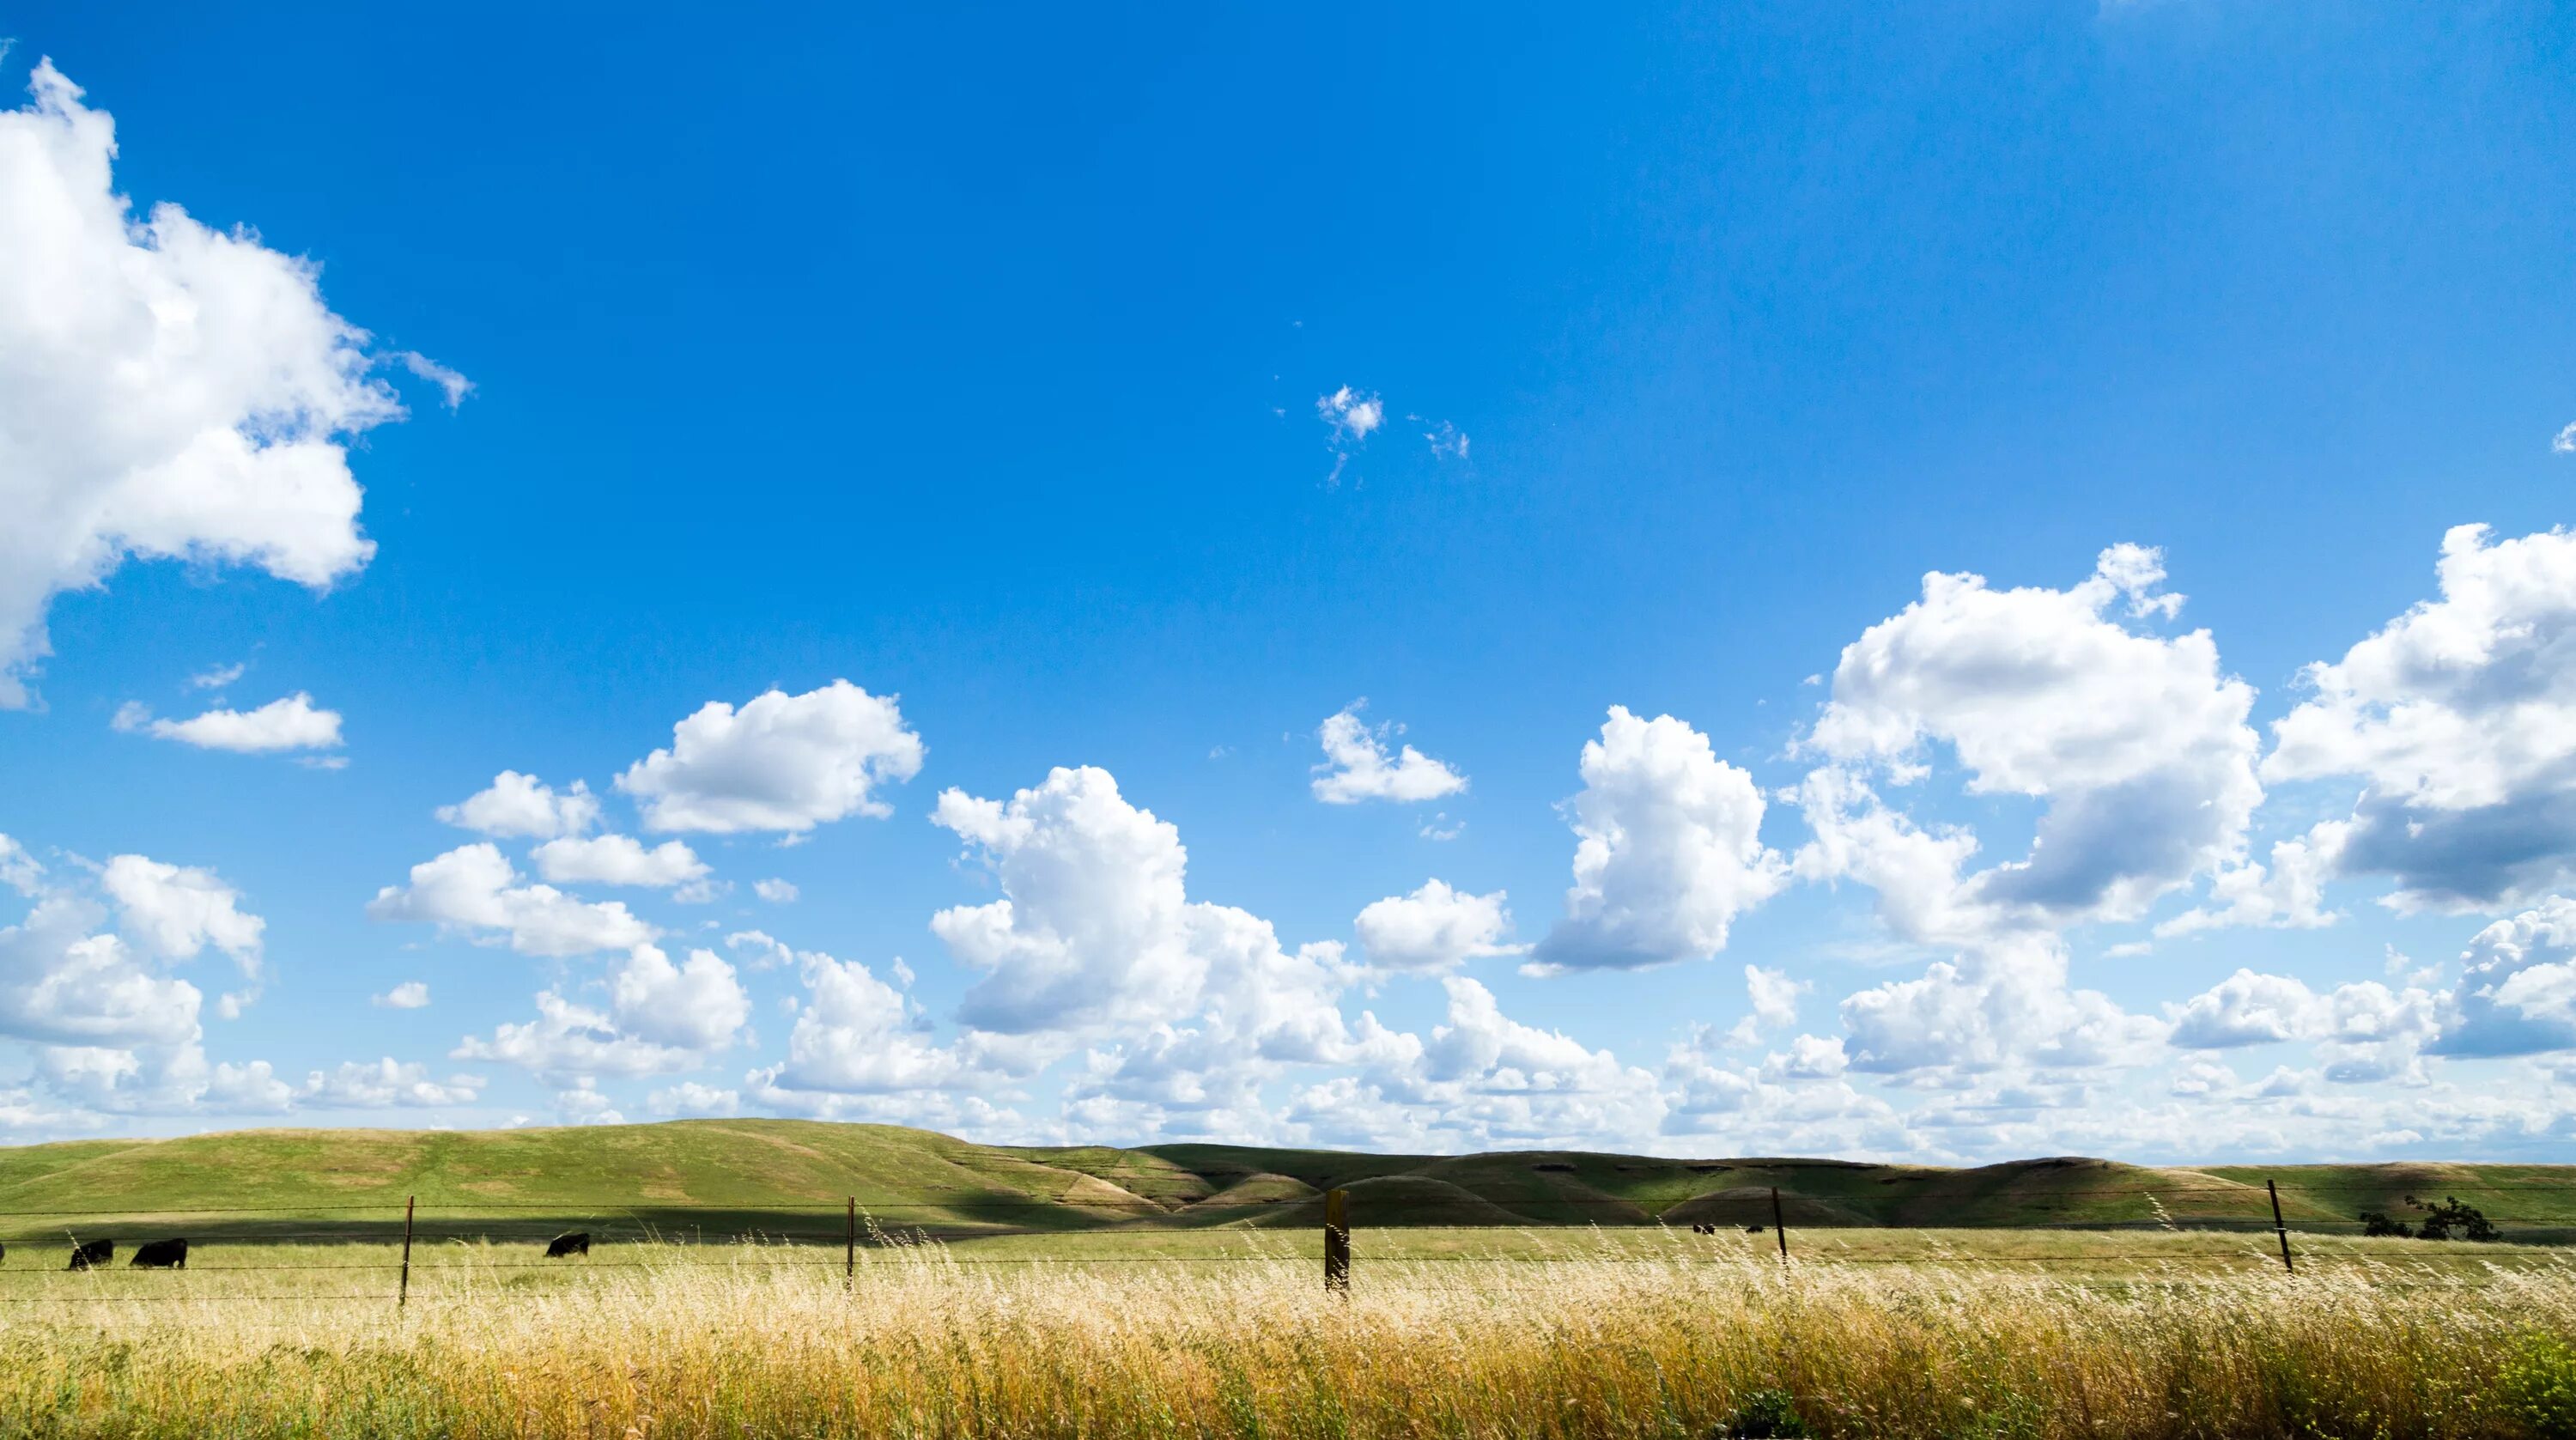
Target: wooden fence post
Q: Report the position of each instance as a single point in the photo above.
(1337, 1241)
(1779, 1226)
(2278, 1228)
(850, 1248)
(402, 1297)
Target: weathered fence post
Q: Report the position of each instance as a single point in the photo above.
(2278, 1228)
(402, 1297)
(1779, 1226)
(1337, 1241)
(850, 1248)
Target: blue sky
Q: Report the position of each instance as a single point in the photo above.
(950, 399)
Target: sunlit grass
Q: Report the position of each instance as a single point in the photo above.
(1468, 1333)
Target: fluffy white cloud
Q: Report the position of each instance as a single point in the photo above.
(1773, 997)
(2247, 1009)
(776, 892)
(167, 390)
(1194, 1005)
(695, 1005)
(662, 1018)
(293, 723)
(1434, 928)
(2364, 1032)
(473, 888)
(409, 995)
(111, 1031)
(1797, 1102)
(855, 1034)
(568, 1040)
(2004, 1007)
(2291, 894)
(18, 869)
(385, 1084)
(617, 860)
(582, 1104)
(2517, 990)
(1481, 1081)
(2460, 718)
(1357, 766)
(781, 762)
(65, 981)
(1354, 414)
(177, 911)
(516, 805)
(1095, 929)
(2138, 743)
(693, 1100)
(1669, 850)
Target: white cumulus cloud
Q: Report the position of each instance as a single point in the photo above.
(409, 995)
(2459, 719)
(178, 910)
(1357, 766)
(1435, 928)
(385, 1084)
(662, 1018)
(523, 806)
(167, 390)
(474, 889)
(2137, 742)
(292, 723)
(1668, 853)
(617, 860)
(781, 762)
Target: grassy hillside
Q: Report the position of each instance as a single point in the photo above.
(793, 1178)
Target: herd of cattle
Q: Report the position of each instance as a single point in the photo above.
(173, 1254)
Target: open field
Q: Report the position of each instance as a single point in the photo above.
(732, 1177)
(1178, 1292)
(1470, 1333)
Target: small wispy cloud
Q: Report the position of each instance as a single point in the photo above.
(1447, 441)
(456, 385)
(409, 995)
(218, 677)
(1352, 416)
(2565, 444)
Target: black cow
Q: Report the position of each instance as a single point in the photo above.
(1703, 1229)
(160, 1255)
(576, 1242)
(93, 1253)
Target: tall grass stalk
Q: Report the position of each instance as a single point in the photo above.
(923, 1346)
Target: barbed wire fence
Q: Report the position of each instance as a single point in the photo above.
(802, 1235)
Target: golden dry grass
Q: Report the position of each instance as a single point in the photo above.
(1623, 1338)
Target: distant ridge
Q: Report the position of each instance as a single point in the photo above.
(733, 1176)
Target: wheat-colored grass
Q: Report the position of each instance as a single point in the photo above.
(1665, 1338)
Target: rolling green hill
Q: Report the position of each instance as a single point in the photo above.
(795, 1179)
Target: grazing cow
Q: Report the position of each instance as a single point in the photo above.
(160, 1255)
(574, 1243)
(93, 1253)
(1703, 1229)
